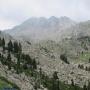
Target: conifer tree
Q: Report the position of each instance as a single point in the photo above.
(63, 57)
(89, 60)
(3, 44)
(15, 47)
(55, 82)
(0, 42)
(72, 82)
(10, 46)
(9, 61)
(88, 87)
(20, 48)
(34, 64)
(18, 64)
(84, 87)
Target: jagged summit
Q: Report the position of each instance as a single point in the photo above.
(41, 28)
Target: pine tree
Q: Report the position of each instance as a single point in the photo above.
(15, 47)
(88, 87)
(84, 87)
(0, 55)
(63, 57)
(55, 75)
(20, 48)
(0, 42)
(10, 46)
(72, 82)
(55, 82)
(89, 60)
(9, 61)
(40, 72)
(18, 64)
(34, 64)
(2, 60)
(3, 44)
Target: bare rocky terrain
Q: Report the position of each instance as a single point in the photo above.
(49, 57)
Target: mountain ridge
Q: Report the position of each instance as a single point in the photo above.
(41, 28)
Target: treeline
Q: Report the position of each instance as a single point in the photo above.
(22, 62)
(81, 66)
(2, 43)
(54, 83)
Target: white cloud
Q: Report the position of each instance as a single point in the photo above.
(13, 12)
(6, 24)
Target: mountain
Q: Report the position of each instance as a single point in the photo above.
(69, 57)
(47, 57)
(41, 28)
(80, 29)
(5, 35)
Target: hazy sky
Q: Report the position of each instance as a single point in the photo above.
(13, 12)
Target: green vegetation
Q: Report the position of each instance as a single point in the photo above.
(84, 57)
(23, 61)
(52, 83)
(63, 57)
(4, 83)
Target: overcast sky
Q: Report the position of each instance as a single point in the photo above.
(14, 12)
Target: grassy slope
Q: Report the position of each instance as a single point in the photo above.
(85, 57)
(4, 83)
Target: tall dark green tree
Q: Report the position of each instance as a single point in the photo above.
(55, 82)
(10, 46)
(89, 60)
(84, 87)
(63, 57)
(18, 64)
(88, 87)
(0, 41)
(15, 47)
(3, 44)
(20, 48)
(55, 76)
(34, 64)
(8, 60)
(72, 82)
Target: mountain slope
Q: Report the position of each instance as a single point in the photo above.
(6, 36)
(28, 79)
(41, 28)
(80, 29)
(74, 42)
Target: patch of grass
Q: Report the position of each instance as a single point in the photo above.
(84, 57)
(4, 83)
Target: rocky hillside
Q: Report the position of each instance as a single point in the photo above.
(52, 64)
(64, 49)
(7, 73)
(41, 28)
(48, 53)
(31, 72)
